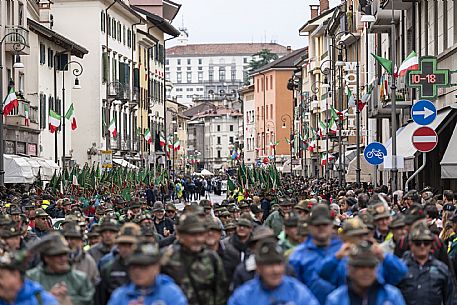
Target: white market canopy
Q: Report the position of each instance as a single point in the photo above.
(206, 172)
(124, 163)
(22, 169)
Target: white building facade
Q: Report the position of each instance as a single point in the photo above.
(203, 71)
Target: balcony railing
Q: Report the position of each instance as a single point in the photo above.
(23, 115)
(17, 40)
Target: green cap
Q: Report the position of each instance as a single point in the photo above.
(191, 223)
(244, 222)
(361, 255)
(290, 219)
(145, 254)
(397, 222)
(380, 211)
(268, 252)
(72, 229)
(354, 227)
(320, 215)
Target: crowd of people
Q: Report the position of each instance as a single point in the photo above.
(307, 242)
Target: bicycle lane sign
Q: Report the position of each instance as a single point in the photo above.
(374, 153)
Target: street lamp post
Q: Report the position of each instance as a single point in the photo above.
(357, 110)
(76, 72)
(18, 45)
(283, 119)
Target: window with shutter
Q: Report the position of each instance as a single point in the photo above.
(42, 54)
(105, 61)
(136, 78)
(50, 58)
(102, 21)
(43, 112)
(122, 73)
(108, 26)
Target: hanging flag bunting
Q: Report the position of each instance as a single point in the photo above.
(351, 99)
(147, 136)
(177, 145)
(70, 115)
(10, 102)
(410, 63)
(163, 142)
(384, 62)
(54, 121)
(333, 128)
(112, 128)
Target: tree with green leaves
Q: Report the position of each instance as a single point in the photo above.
(261, 59)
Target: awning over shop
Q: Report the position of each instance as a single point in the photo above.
(449, 161)
(124, 163)
(349, 155)
(22, 169)
(405, 146)
(365, 173)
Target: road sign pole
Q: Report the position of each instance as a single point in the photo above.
(424, 161)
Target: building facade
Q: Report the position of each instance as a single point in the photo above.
(248, 131)
(209, 70)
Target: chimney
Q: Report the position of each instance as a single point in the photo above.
(324, 5)
(289, 49)
(314, 10)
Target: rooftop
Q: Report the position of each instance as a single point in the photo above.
(206, 49)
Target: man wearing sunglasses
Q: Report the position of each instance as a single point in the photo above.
(428, 281)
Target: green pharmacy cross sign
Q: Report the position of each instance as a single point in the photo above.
(428, 78)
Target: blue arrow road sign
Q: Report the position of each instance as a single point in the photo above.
(374, 153)
(423, 112)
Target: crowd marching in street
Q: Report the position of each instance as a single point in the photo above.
(304, 241)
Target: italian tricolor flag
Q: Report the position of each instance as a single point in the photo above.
(326, 158)
(147, 136)
(112, 128)
(177, 145)
(54, 121)
(10, 102)
(410, 63)
(70, 115)
(162, 140)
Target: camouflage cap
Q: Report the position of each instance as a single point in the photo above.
(212, 224)
(355, 227)
(145, 254)
(14, 210)
(191, 223)
(420, 231)
(268, 252)
(230, 226)
(367, 218)
(303, 205)
(361, 255)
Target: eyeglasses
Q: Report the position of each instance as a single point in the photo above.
(419, 243)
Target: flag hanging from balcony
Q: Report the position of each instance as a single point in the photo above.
(163, 142)
(112, 128)
(26, 114)
(384, 62)
(147, 136)
(410, 63)
(10, 101)
(70, 115)
(326, 158)
(54, 121)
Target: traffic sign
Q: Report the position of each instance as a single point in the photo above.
(425, 139)
(374, 153)
(423, 112)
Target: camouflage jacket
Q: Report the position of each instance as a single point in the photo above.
(200, 275)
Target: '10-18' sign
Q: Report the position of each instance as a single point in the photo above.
(428, 78)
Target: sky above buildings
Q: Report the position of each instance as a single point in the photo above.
(245, 20)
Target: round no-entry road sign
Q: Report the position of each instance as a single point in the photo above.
(424, 139)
